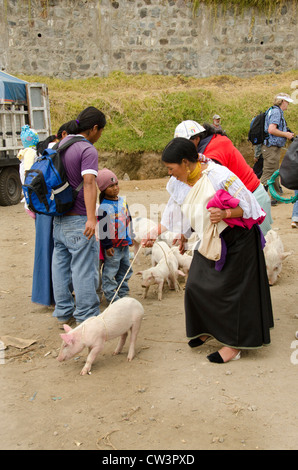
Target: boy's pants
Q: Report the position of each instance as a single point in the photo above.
(114, 270)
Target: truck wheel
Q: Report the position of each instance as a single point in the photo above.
(10, 187)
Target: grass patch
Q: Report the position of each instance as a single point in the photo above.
(143, 110)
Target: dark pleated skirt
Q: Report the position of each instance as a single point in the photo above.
(42, 286)
(232, 305)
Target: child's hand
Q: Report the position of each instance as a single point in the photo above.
(110, 251)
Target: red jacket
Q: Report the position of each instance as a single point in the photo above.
(221, 149)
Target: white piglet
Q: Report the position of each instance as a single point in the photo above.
(121, 316)
(184, 261)
(167, 237)
(274, 255)
(166, 270)
(160, 249)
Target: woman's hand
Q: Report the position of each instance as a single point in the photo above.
(216, 215)
(180, 240)
(148, 242)
(151, 237)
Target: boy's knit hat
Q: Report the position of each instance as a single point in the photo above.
(105, 178)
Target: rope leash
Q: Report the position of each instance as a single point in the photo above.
(102, 316)
(166, 258)
(130, 266)
(140, 247)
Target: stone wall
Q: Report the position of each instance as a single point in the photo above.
(83, 38)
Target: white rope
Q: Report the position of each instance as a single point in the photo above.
(102, 315)
(126, 274)
(140, 247)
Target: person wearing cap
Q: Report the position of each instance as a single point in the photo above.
(115, 234)
(216, 146)
(216, 122)
(278, 134)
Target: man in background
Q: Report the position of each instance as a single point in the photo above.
(216, 122)
(278, 133)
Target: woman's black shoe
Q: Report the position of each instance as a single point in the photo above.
(215, 357)
(193, 343)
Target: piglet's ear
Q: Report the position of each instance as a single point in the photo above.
(67, 328)
(68, 339)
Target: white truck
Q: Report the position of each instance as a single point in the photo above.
(20, 103)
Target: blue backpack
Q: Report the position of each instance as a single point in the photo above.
(46, 188)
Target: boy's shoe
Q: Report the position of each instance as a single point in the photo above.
(294, 224)
(70, 322)
(273, 202)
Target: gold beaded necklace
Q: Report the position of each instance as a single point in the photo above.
(194, 175)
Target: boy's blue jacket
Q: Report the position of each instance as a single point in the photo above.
(115, 223)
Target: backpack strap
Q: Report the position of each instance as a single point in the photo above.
(61, 148)
(78, 188)
(282, 118)
(73, 140)
(281, 114)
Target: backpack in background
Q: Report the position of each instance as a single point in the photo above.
(46, 188)
(288, 170)
(257, 133)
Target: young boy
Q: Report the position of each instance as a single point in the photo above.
(116, 234)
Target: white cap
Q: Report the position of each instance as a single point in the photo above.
(285, 96)
(187, 129)
(216, 116)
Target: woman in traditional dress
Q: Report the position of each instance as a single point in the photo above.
(227, 294)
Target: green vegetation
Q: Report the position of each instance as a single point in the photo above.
(143, 110)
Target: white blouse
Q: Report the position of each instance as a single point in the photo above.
(220, 178)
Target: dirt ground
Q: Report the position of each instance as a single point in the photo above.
(169, 397)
